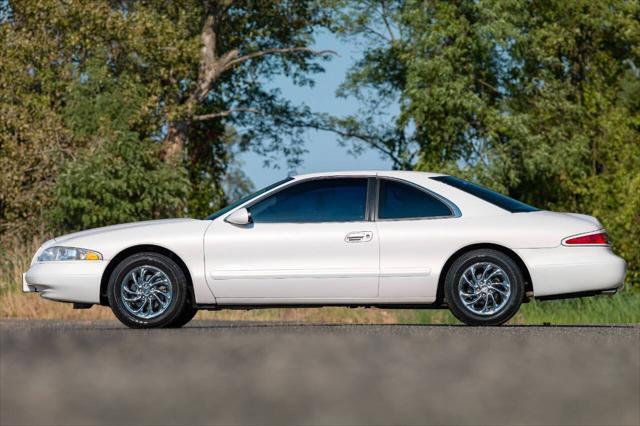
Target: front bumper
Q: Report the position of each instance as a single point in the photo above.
(573, 270)
(68, 281)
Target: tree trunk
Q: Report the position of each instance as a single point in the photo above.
(212, 65)
(174, 143)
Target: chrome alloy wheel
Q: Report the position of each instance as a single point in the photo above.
(484, 288)
(146, 292)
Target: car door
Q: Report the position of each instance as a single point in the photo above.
(311, 241)
(415, 227)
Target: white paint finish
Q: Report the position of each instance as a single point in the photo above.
(25, 286)
(317, 263)
(285, 274)
(429, 243)
(72, 281)
(409, 246)
(130, 228)
(563, 270)
(276, 290)
(239, 217)
(181, 236)
(324, 301)
(275, 260)
(405, 272)
(401, 285)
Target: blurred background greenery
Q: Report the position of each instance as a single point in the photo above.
(116, 111)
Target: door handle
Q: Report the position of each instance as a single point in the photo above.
(358, 237)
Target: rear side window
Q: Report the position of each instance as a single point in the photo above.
(402, 201)
(319, 200)
(495, 198)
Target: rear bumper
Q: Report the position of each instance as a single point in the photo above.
(610, 292)
(573, 271)
(68, 281)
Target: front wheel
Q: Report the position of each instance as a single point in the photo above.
(148, 290)
(484, 287)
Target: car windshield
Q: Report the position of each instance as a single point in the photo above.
(495, 198)
(247, 198)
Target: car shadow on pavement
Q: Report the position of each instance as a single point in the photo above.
(338, 325)
(105, 325)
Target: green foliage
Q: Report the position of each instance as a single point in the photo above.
(97, 101)
(537, 99)
(120, 179)
(623, 308)
(116, 176)
(85, 80)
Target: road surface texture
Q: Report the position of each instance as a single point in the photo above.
(212, 372)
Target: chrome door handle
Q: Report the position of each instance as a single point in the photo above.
(358, 237)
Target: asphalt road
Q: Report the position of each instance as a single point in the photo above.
(242, 373)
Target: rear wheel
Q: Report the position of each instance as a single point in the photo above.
(484, 287)
(148, 290)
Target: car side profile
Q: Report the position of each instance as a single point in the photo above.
(386, 239)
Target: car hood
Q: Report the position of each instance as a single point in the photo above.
(108, 229)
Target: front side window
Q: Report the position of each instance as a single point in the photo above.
(243, 200)
(403, 201)
(319, 200)
(495, 198)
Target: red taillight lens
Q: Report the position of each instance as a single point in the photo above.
(600, 239)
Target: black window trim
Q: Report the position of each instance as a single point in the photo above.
(455, 211)
(290, 184)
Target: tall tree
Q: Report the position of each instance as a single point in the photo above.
(205, 67)
(537, 99)
(242, 46)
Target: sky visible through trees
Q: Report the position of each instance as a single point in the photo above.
(130, 110)
(324, 150)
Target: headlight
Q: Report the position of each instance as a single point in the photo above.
(68, 253)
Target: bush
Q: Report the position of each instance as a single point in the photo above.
(118, 180)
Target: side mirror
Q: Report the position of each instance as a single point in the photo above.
(240, 217)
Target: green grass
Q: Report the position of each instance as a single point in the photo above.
(623, 308)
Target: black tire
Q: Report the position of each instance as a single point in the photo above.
(172, 271)
(187, 315)
(454, 277)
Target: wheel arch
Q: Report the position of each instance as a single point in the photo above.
(143, 248)
(528, 284)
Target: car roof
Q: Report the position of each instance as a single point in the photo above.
(389, 173)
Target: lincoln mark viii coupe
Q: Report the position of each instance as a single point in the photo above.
(373, 239)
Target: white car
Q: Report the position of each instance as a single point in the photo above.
(385, 239)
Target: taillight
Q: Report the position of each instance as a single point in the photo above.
(598, 239)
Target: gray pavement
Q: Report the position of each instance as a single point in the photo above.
(56, 372)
